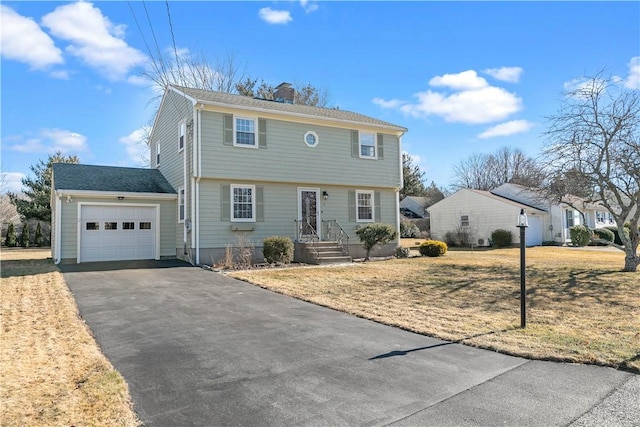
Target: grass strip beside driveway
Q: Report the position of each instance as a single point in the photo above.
(51, 369)
(581, 307)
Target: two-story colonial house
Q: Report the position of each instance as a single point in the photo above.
(228, 168)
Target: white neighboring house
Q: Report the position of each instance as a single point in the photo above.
(479, 213)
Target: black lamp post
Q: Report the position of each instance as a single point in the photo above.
(523, 223)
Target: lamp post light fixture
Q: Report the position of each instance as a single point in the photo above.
(523, 223)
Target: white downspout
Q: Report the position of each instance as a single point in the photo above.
(58, 224)
(196, 225)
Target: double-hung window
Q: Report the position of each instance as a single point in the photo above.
(464, 221)
(243, 203)
(181, 132)
(364, 206)
(245, 132)
(367, 145)
(180, 204)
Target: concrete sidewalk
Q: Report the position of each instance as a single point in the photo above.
(199, 348)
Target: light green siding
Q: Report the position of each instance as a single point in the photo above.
(287, 158)
(69, 224)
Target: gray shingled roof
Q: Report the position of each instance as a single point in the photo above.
(206, 96)
(68, 176)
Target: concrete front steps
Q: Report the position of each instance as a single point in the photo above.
(327, 253)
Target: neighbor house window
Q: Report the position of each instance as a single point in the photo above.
(145, 226)
(181, 131)
(367, 145)
(157, 154)
(93, 226)
(110, 225)
(128, 225)
(600, 216)
(243, 206)
(570, 218)
(464, 220)
(180, 204)
(245, 132)
(364, 206)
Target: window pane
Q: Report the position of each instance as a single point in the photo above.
(245, 132)
(93, 226)
(145, 226)
(110, 225)
(128, 225)
(367, 145)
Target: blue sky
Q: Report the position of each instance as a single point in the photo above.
(463, 77)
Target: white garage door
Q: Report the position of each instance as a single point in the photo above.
(534, 231)
(113, 233)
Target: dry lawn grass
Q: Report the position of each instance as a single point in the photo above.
(51, 370)
(580, 307)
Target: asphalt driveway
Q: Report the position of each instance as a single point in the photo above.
(199, 348)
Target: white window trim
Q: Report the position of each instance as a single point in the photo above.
(253, 203)
(373, 206)
(182, 132)
(184, 205)
(157, 153)
(310, 132)
(255, 132)
(375, 145)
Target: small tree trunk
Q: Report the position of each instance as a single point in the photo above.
(630, 262)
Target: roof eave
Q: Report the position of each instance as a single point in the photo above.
(114, 194)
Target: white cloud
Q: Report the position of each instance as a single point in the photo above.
(52, 140)
(505, 129)
(505, 74)
(11, 181)
(94, 39)
(633, 80)
(23, 40)
(308, 6)
(60, 74)
(486, 105)
(136, 148)
(465, 80)
(275, 16)
(391, 103)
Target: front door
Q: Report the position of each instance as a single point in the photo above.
(309, 211)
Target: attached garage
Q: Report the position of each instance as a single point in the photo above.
(103, 213)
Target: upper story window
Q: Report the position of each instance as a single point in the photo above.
(157, 154)
(181, 132)
(464, 221)
(311, 138)
(245, 132)
(367, 145)
(243, 206)
(180, 204)
(364, 206)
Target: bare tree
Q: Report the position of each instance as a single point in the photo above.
(594, 147)
(305, 94)
(482, 171)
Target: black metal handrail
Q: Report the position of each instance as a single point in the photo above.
(334, 232)
(306, 233)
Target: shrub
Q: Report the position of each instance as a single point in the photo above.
(408, 230)
(278, 249)
(401, 252)
(501, 238)
(11, 239)
(433, 248)
(375, 234)
(25, 236)
(450, 239)
(38, 240)
(603, 234)
(616, 236)
(580, 235)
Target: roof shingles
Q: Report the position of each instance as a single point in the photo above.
(67, 176)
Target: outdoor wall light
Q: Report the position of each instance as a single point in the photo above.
(325, 195)
(120, 197)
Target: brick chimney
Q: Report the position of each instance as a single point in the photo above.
(284, 93)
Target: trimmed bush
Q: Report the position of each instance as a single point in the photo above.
(375, 234)
(278, 249)
(616, 236)
(580, 235)
(408, 230)
(603, 234)
(11, 240)
(25, 236)
(501, 238)
(433, 248)
(401, 252)
(38, 240)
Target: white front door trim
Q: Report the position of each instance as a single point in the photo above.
(318, 220)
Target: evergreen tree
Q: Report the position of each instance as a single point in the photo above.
(412, 177)
(39, 239)
(37, 189)
(11, 240)
(25, 236)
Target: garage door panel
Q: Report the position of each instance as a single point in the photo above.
(117, 233)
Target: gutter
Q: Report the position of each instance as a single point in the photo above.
(58, 225)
